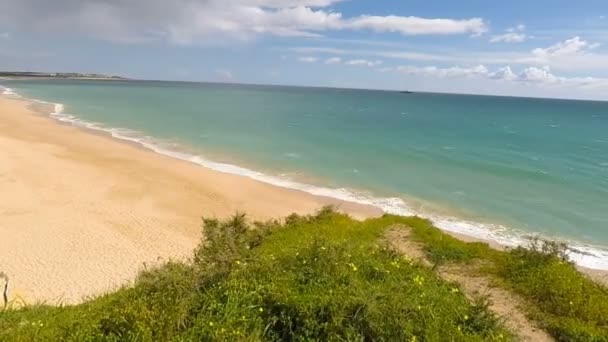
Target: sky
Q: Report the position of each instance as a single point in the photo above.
(537, 48)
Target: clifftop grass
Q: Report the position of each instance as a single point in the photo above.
(323, 277)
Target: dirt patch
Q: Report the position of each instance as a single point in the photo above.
(502, 302)
(399, 238)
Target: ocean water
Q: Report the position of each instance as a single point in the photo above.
(498, 168)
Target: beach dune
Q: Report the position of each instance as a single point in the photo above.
(81, 213)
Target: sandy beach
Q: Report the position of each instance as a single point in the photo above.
(81, 213)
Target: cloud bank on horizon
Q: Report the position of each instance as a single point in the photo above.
(555, 51)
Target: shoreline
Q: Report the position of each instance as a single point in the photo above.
(304, 202)
(82, 213)
(582, 253)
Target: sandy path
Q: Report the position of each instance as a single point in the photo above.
(503, 303)
(80, 213)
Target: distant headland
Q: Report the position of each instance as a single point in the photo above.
(65, 75)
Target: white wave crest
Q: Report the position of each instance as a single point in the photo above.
(6, 91)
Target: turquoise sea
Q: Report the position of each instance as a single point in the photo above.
(491, 167)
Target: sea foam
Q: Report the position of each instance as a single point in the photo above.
(9, 92)
(593, 257)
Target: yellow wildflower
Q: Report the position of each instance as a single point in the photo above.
(419, 280)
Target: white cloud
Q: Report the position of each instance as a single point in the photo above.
(209, 21)
(363, 62)
(570, 46)
(571, 55)
(292, 3)
(545, 76)
(224, 74)
(407, 55)
(537, 75)
(530, 75)
(417, 26)
(512, 35)
(444, 72)
(333, 60)
(520, 27)
(504, 73)
(308, 59)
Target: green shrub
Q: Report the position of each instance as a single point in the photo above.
(324, 277)
(320, 277)
(567, 303)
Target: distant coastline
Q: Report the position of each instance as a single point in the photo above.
(57, 75)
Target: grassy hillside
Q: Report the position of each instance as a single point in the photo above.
(324, 277)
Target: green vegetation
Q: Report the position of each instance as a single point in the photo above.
(559, 298)
(568, 305)
(323, 277)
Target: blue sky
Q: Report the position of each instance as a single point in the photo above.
(530, 48)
